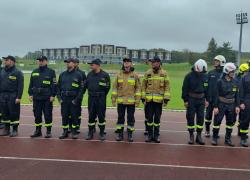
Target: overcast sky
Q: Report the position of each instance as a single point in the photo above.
(29, 25)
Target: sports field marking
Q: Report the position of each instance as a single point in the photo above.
(125, 163)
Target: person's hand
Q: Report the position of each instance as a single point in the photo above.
(216, 111)
(237, 110)
(242, 106)
(165, 102)
(51, 99)
(18, 101)
(31, 98)
(186, 104)
(206, 104)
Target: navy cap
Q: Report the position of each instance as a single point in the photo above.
(156, 59)
(127, 60)
(42, 58)
(96, 61)
(70, 60)
(12, 58)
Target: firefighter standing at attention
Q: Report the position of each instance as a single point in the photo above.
(11, 90)
(226, 103)
(155, 94)
(98, 86)
(195, 97)
(126, 94)
(213, 76)
(42, 91)
(70, 94)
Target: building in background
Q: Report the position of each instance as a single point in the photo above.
(106, 52)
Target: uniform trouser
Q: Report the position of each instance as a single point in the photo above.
(121, 110)
(10, 110)
(196, 109)
(97, 108)
(153, 112)
(79, 117)
(68, 109)
(43, 107)
(209, 116)
(146, 118)
(244, 121)
(227, 110)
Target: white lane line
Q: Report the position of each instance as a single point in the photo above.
(135, 142)
(125, 163)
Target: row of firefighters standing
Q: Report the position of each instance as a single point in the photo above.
(223, 94)
(127, 94)
(219, 91)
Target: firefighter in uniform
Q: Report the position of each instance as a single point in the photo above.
(126, 94)
(245, 108)
(213, 76)
(12, 83)
(98, 85)
(195, 97)
(80, 105)
(1, 124)
(226, 103)
(155, 94)
(42, 91)
(243, 70)
(70, 94)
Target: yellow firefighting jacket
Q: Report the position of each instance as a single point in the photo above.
(155, 86)
(126, 88)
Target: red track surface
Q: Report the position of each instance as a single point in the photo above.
(26, 158)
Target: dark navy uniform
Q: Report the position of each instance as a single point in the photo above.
(245, 99)
(194, 92)
(70, 93)
(98, 85)
(226, 100)
(11, 88)
(213, 77)
(1, 124)
(42, 86)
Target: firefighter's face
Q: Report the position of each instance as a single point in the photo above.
(42, 63)
(231, 74)
(127, 64)
(8, 63)
(216, 63)
(94, 67)
(70, 65)
(156, 64)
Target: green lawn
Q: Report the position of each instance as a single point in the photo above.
(176, 73)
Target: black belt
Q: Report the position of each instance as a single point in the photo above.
(196, 95)
(40, 90)
(68, 93)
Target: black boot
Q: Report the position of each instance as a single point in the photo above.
(119, 136)
(214, 141)
(64, 134)
(37, 133)
(74, 133)
(199, 139)
(102, 134)
(157, 134)
(90, 135)
(149, 137)
(191, 138)
(243, 142)
(14, 131)
(228, 140)
(157, 139)
(78, 129)
(48, 133)
(6, 130)
(207, 133)
(130, 136)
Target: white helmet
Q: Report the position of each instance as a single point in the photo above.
(229, 67)
(221, 58)
(200, 66)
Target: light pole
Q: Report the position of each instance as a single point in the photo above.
(240, 19)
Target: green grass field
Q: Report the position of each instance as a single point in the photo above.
(176, 73)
